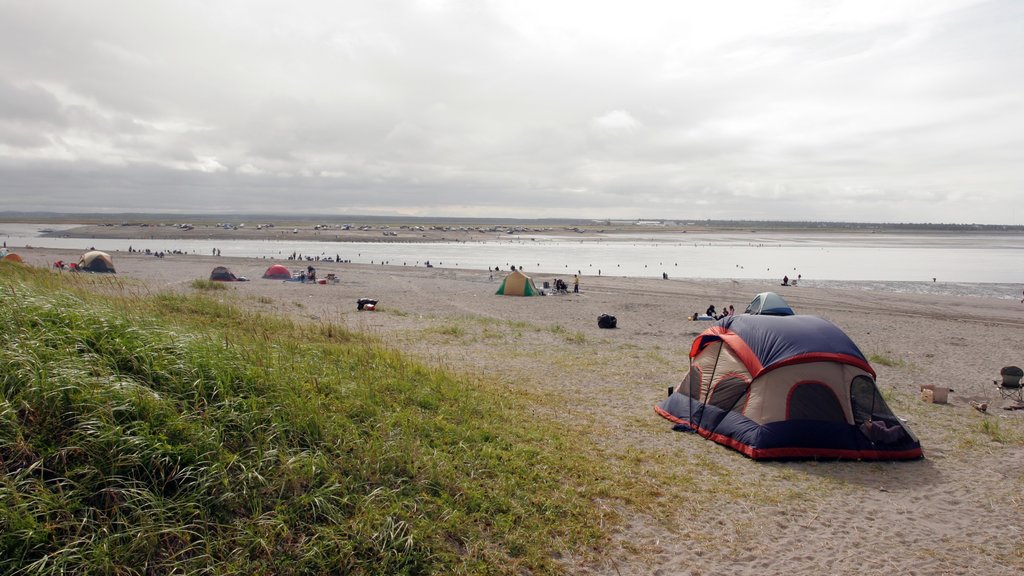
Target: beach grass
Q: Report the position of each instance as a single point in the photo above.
(179, 434)
(886, 360)
(202, 284)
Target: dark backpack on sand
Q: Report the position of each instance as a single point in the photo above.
(606, 321)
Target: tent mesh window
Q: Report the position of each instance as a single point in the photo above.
(867, 402)
(729, 392)
(754, 306)
(692, 382)
(814, 401)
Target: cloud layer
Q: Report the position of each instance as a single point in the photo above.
(893, 111)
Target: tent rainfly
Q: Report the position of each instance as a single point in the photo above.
(277, 272)
(222, 274)
(776, 387)
(769, 304)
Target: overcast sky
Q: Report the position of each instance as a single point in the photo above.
(861, 110)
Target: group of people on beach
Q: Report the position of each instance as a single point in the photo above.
(297, 256)
(157, 253)
(712, 314)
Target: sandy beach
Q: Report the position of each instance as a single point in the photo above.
(960, 510)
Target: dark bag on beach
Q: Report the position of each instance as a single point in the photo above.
(606, 321)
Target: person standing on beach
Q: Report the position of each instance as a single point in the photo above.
(576, 284)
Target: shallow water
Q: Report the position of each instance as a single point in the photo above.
(951, 264)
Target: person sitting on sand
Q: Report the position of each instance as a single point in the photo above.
(785, 280)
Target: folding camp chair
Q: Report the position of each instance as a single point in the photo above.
(1010, 387)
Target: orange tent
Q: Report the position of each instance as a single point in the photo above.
(277, 272)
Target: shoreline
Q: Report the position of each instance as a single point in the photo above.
(423, 229)
(1001, 290)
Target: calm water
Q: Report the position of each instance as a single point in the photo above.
(980, 265)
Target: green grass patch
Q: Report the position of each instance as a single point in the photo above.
(449, 330)
(574, 336)
(994, 430)
(208, 285)
(177, 434)
(886, 361)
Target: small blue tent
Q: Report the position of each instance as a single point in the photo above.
(769, 304)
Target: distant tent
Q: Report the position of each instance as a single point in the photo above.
(518, 284)
(222, 274)
(12, 257)
(277, 272)
(796, 387)
(96, 261)
(769, 304)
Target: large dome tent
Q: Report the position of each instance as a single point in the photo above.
(776, 387)
(96, 261)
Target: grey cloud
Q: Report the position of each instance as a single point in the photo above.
(473, 107)
(28, 104)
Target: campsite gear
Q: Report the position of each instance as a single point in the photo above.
(1010, 387)
(606, 321)
(222, 274)
(769, 304)
(786, 387)
(12, 257)
(517, 284)
(277, 272)
(362, 303)
(933, 394)
(96, 261)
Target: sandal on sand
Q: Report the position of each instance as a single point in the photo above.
(980, 406)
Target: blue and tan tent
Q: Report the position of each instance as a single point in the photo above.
(518, 284)
(96, 261)
(786, 387)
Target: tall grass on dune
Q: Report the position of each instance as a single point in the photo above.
(134, 442)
